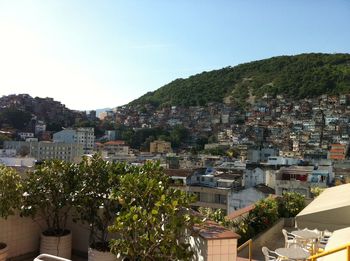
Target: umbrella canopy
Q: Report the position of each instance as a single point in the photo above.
(339, 238)
(330, 210)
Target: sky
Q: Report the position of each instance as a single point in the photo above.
(105, 53)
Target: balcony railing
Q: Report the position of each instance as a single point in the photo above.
(248, 243)
(332, 251)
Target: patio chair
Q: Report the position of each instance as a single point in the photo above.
(326, 234)
(288, 238)
(321, 244)
(270, 255)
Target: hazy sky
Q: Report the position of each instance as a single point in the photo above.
(96, 54)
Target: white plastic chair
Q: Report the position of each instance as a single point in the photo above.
(270, 255)
(288, 238)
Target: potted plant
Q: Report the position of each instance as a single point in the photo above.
(10, 198)
(93, 204)
(49, 192)
(289, 205)
(154, 219)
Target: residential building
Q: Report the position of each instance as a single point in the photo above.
(25, 135)
(83, 136)
(160, 146)
(40, 127)
(43, 150)
(294, 179)
(338, 151)
(249, 196)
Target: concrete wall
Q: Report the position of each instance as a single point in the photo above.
(22, 235)
(244, 198)
(267, 238)
(214, 249)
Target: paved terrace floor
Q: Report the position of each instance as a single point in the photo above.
(74, 258)
(276, 242)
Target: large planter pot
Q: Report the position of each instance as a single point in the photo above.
(96, 255)
(3, 251)
(57, 245)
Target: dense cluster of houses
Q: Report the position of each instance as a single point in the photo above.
(280, 146)
(304, 128)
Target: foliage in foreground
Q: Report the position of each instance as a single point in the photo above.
(10, 191)
(93, 205)
(154, 220)
(266, 212)
(50, 192)
(290, 204)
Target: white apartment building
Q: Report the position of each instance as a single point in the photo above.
(44, 150)
(83, 136)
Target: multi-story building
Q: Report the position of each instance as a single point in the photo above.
(43, 150)
(83, 136)
(115, 147)
(86, 137)
(40, 127)
(160, 146)
(25, 135)
(338, 152)
(214, 189)
(294, 179)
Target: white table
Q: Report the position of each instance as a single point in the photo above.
(305, 234)
(294, 253)
(307, 237)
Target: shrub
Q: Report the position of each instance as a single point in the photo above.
(10, 191)
(290, 204)
(50, 191)
(153, 218)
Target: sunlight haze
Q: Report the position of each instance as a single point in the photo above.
(97, 54)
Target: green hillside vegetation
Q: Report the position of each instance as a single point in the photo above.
(299, 76)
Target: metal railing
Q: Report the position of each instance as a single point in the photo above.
(245, 244)
(332, 251)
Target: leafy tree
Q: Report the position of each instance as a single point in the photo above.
(316, 191)
(177, 135)
(290, 204)
(93, 203)
(215, 215)
(16, 118)
(154, 220)
(10, 191)
(3, 138)
(50, 191)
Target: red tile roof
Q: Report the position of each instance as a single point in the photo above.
(240, 212)
(212, 230)
(115, 142)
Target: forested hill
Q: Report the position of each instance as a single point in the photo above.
(299, 76)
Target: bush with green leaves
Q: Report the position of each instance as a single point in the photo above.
(154, 220)
(93, 203)
(264, 214)
(50, 191)
(215, 215)
(290, 204)
(10, 191)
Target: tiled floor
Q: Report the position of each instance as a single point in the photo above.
(273, 244)
(74, 258)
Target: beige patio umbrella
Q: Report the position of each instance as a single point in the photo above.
(330, 210)
(339, 238)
